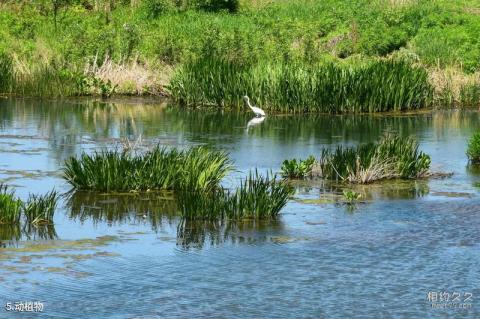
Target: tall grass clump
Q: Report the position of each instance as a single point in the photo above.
(473, 149)
(157, 169)
(375, 86)
(10, 207)
(258, 197)
(6, 73)
(40, 79)
(40, 209)
(391, 157)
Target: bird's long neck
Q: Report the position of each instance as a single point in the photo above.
(248, 104)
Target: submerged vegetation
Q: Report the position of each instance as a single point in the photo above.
(290, 56)
(391, 157)
(473, 149)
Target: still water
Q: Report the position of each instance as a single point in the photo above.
(130, 256)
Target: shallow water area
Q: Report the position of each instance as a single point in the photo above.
(131, 256)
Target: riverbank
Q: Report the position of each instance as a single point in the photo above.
(148, 47)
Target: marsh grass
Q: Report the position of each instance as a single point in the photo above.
(258, 197)
(157, 169)
(40, 209)
(473, 149)
(10, 206)
(375, 86)
(391, 157)
(40, 79)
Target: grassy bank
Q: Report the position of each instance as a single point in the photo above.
(64, 48)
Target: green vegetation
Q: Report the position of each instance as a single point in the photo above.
(10, 207)
(194, 175)
(370, 87)
(351, 196)
(300, 169)
(39, 209)
(158, 169)
(257, 197)
(473, 149)
(287, 55)
(391, 157)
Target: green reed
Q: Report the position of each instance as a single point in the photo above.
(10, 206)
(40, 79)
(40, 209)
(391, 157)
(158, 169)
(375, 86)
(473, 148)
(258, 197)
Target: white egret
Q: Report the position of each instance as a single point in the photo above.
(258, 111)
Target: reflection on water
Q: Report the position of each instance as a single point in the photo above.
(155, 209)
(410, 237)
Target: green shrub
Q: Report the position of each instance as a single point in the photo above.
(155, 8)
(231, 6)
(473, 149)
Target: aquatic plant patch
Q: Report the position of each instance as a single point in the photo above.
(293, 169)
(473, 149)
(258, 197)
(10, 206)
(158, 169)
(391, 157)
(40, 209)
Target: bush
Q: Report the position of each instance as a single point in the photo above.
(231, 6)
(155, 8)
(473, 149)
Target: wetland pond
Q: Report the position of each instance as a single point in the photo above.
(130, 256)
